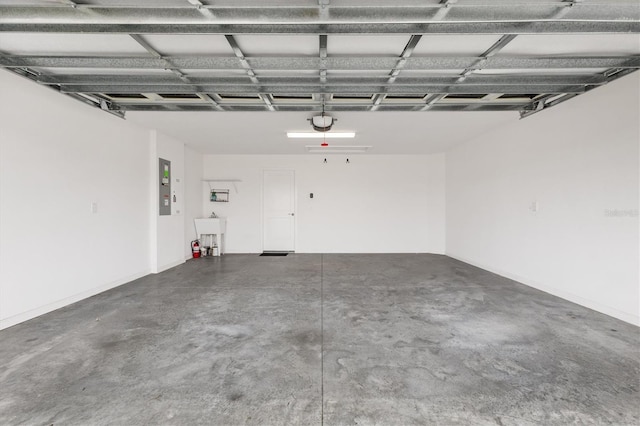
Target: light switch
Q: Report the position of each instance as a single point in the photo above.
(311, 195)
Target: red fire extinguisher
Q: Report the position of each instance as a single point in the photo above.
(195, 248)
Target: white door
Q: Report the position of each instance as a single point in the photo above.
(278, 198)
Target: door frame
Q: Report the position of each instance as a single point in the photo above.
(295, 205)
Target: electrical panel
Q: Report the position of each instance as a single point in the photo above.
(164, 187)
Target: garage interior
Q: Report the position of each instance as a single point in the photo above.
(469, 254)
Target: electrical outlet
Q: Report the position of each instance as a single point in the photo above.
(533, 207)
(94, 207)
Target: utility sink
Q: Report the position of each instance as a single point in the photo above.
(210, 225)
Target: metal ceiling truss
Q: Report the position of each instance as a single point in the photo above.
(241, 81)
(401, 17)
(356, 62)
(495, 48)
(355, 90)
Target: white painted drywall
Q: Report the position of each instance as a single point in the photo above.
(579, 162)
(166, 246)
(375, 204)
(57, 156)
(192, 195)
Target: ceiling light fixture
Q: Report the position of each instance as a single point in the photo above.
(327, 135)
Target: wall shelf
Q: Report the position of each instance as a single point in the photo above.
(232, 181)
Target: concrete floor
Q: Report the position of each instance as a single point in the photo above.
(311, 339)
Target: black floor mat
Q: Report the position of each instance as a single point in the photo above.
(274, 254)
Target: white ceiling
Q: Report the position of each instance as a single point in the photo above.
(265, 133)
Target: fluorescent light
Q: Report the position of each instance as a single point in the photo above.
(321, 135)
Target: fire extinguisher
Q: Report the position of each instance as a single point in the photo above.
(195, 248)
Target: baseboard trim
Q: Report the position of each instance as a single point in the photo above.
(33, 313)
(587, 303)
(169, 266)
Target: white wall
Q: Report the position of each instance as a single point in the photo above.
(166, 245)
(57, 156)
(579, 162)
(192, 195)
(377, 203)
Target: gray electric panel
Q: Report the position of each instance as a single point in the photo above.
(164, 183)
